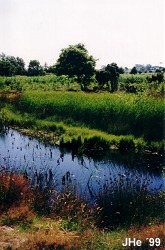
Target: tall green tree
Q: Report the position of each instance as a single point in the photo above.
(75, 61)
(102, 77)
(35, 68)
(10, 65)
(109, 75)
(134, 70)
(113, 74)
(19, 66)
(6, 68)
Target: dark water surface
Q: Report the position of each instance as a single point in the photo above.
(48, 165)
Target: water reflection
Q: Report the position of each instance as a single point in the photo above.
(47, 165)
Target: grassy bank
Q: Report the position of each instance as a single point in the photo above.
(124, 121)
(76, 137)
(118, 114)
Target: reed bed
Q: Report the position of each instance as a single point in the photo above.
(118, 114)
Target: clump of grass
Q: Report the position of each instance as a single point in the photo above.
(74, 211)
(21, 214)
(122, 202)
(15, 199)
(14, 189)
(146, 233)
(126, 143)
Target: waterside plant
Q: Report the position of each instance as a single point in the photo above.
(73, 221)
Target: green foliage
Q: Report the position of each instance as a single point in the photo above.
(101, 77)
(159, 77)
(35, 69)
(6, 68)
(130, 78)
(135, 87)
(113, 75)
(75, 61)
(69, 225)
(126, 82)
(47, 82)
(118, 114)
(109, 74)
(126, 143)
(147, 83)
(9, 65)
(133, 71)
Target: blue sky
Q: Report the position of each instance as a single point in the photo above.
(121, 31)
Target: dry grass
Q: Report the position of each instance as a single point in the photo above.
(14, 190)
(48, 234)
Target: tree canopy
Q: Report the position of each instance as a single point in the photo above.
(75, 61)
(10, 65)
(134, 71)
(35, 69)
(109, 76)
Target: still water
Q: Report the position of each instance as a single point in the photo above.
(49, 165)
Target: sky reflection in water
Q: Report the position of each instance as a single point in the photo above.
(48, 165)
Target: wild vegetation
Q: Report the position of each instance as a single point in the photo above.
(128, 83)
(125, 121)
(116, 114)
(88, 111)
(68, 222)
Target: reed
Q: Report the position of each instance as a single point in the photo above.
(71, 223)
(118, 114)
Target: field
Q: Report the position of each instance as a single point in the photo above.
(127, 82)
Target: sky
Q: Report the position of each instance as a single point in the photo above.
(126, 32)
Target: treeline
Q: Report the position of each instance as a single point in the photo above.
(73, 61)
(11, 66)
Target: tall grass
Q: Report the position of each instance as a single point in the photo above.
(119, 114)
(71, 223)
(117, 202)
(126, 202)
